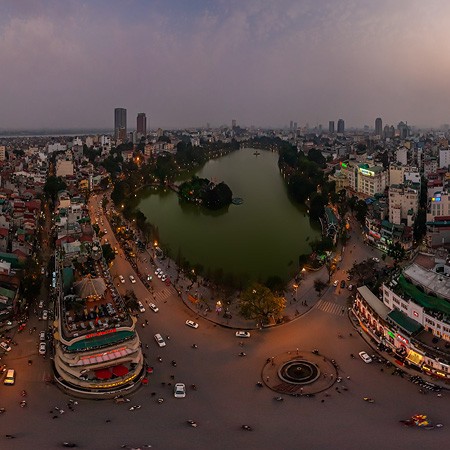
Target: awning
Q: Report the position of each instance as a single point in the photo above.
(103, 374)
(120, 371)
(415, 358)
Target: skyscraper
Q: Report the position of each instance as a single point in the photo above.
(141, 127)
(341, 126)
(120, 123)
(378, 126)
(331, 126)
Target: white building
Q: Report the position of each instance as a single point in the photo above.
(402, 156)
(371, 180)
(439, 205)
(403, 204)
(444, 157)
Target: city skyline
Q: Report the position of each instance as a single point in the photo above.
(187, 64)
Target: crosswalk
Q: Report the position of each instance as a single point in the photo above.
(331, 308)
(164, 293)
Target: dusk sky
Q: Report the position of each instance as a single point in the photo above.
(69, 63)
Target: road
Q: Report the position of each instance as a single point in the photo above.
(227, 396)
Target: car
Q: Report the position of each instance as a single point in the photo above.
(377, 260)
(179, 390)
(342, 284)
(242, 334)
(44, 314)
(335, 283)
(350, 287)
(157, 271)
(105, 231)
(365, 357)
(159, 340)
(122, 279)
(191, 324)
(153, 307)
(41, 303)
(5, 346)
(132, 279)
(2, 368)
(164, 278)
(141, 307)
(160, 275)
(42, 348)
(167, 282)
(149, 277)
(42, 336)
(42, 270)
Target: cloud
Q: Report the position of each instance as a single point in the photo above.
(188, 63)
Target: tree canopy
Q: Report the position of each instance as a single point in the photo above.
(258, 302)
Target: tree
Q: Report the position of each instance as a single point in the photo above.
(396, 252)
(53, 185)
(258, 302)
(361, 211)
(108, 253)
(317, 206)
(319, 286)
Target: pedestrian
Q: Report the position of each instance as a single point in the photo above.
(301, 391)
(267, 379)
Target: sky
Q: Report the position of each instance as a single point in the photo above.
(186, 63)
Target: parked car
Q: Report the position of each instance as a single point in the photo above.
(179, 390)
(41, 303)
(242, 334)
(44, 314)
(159, 340)
(122, 279)
(42, 348)
(191, 324)
(365, 357)
(5, 346)
(153, 307)
(42, 336)
(141, 307)
(167, 282)
(342, 284)
(132, 279)
(335, 283)
(164, 278)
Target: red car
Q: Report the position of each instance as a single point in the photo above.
(167, 282)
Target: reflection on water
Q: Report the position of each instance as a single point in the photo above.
(261, 237)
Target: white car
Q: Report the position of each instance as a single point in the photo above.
(191, 324)
(41, 303)
(377, 260)
(157, 271)
(44, 314)
(159, 340)
(179, 390)
(122, 279)
(164, 278)
(365, 357)
(153, 307)
(335, 283)
(141, 307)
(132, 279)
(42, 348)
(42, 336)
(242, 334)
(5, 346)
(160, 275)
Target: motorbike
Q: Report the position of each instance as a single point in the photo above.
(133, 408)
(2, 410)
(242, 354)
(160, 400)
(159, 359)
(194, 346)
(278, 399)
(352, 356)
(174, 363)
(69, 444)
(194, 387)
(23, 403)
(259, 384)
(192, 423)
(368, 399)
(247, 428)
(24, 393)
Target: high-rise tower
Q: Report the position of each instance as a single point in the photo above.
(331, 126)
(378, 126)
(120, 123)
(141, 127)
(341, 126)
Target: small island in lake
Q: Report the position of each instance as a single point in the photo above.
(206, 193)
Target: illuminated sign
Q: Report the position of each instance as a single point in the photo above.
(415, 313)
(402, 339)
(367, 172)
(436, 199)
(99, 355)
(101, 333)
(344, 165)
